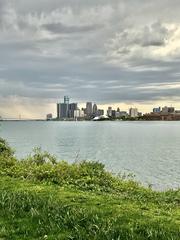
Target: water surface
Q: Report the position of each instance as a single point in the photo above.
(150, 150)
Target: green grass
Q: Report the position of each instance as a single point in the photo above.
(43, 199)
(33, 210)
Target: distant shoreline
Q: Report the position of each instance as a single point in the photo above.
(109, 120)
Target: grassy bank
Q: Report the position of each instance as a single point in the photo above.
(43, 199)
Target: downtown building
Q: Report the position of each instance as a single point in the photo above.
(92, 110)
(133, 112)
(89, 109)
(63, 108)
(165, 114)
(66, 110)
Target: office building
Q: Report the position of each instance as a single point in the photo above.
(123, 114)
(133, 112)
(113, 113)
(157, 110)
(78, 114)
(100, 112)
(165, 109)
(168, 109)
(62, 110)
(171, 109)
(58, 110)
(89, 109)
(66, 99)
(109, 112)
(95, 109)
(72, 108)
(117, 114)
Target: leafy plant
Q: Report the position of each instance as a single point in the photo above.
(40, 157)
(5, 149)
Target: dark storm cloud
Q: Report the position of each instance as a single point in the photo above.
(106, 51)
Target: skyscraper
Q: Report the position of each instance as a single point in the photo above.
(63, 108)
(109, 112)
(66, 99)
(72, 108)
(89, 109)
(95, 109)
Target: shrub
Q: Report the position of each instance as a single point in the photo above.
(42, 166)
(5, 149)
(40, 157)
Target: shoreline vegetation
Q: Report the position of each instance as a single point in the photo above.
(42, 198)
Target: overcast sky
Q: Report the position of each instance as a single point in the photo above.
(117, 52)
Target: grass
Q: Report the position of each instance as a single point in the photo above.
(43, 199)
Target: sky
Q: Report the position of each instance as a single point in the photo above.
(115, 53)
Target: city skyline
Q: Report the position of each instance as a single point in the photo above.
(53, 108)
(67, 109)
(71, 110)
(118, 53)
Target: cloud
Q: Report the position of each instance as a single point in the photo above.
(139, 42)
(60, 28)
(99, 50)
(154, 35)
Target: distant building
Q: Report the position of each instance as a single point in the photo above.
(133, 112)
(89, 109)
(171, 109)
(58, 110)
(109, 112)
(63, 109)
(95, 109)
(113, 113)
(162, 116)
(123, 114)
(168, 109)
(100, 112)
(78, 114)
(71, 109)
(66, 99)
(117, 114)
(82, 114)
(49, 116)
(157, 110)
(165, 109)
(84, 110)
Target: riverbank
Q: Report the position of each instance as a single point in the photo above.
(41, 198)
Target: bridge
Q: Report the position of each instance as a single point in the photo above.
(20, 119)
